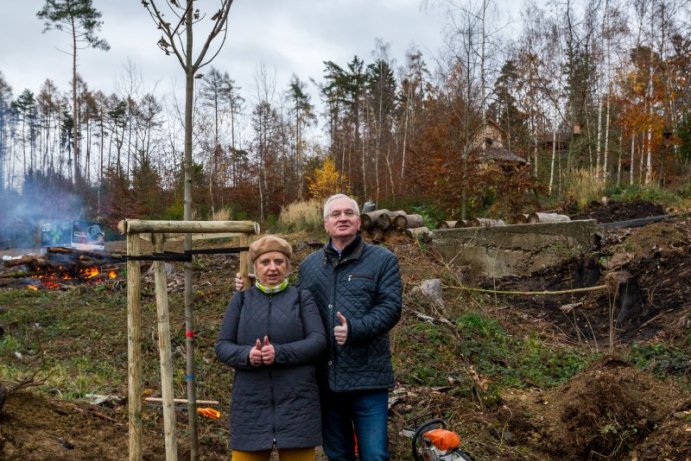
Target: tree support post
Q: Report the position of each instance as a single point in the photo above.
(134, 349)
(165, 353)
(158, 231)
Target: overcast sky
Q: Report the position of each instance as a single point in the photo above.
(287, 36)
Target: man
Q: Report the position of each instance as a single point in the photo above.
(357, 287)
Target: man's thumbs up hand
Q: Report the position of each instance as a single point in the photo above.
(268, 352)
(341, 330)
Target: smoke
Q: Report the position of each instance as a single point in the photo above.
(21, 214)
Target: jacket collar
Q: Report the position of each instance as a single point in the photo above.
(352, 251)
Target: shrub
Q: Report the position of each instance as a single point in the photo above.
(651, 193)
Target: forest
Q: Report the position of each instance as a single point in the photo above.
(585, 99)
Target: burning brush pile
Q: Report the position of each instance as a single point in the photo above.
(61, 268)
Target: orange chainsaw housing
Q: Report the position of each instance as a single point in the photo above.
(443, 439)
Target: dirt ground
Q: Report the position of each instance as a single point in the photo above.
(609, 411)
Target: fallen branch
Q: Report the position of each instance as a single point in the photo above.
(24, 383)
(95, 413)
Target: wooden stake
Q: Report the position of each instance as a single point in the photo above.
(165, 353)
(134, 350)
(199, 402)
(245, 263)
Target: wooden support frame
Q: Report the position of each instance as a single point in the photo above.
(159, 231)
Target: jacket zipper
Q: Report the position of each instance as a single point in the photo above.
(273, 400)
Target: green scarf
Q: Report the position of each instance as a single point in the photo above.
(272, 290)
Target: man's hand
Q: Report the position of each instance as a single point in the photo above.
(341, 330)
(255, 356)
(268, 352)
(239, 284)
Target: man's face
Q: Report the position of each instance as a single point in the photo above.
(343, 221)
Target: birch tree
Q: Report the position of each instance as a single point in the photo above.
(5, 102)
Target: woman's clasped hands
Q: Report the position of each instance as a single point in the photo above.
(262, 354)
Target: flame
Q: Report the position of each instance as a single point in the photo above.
(50, 284)
(90, 272)
(92, 275)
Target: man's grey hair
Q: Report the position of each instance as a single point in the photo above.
(333, 198)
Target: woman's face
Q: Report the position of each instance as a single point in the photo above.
(271, 268)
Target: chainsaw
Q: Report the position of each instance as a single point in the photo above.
(434, 442)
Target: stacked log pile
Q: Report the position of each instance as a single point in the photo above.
(521, 218)
(384, 225)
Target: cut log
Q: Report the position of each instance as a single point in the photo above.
(486, 222)
(387, 220)
(27, 259)
(446, 224)
(547, 217)
(369, 220)
(461, 223)
(377, 234)
(418, 233)
(409, 221)
(393, 235)
(520, 218)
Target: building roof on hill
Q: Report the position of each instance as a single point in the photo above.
(503, 155)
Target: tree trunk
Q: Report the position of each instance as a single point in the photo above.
(75, 107)
(190, 71)
(554, 156)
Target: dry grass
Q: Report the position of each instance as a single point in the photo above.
(221, 215)
(584, 187)
(301, 215)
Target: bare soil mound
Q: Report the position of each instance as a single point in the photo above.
(38, 428)
(603, 413)
(619, 211)
(647, 272)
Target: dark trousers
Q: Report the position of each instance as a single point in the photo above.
(361, 414)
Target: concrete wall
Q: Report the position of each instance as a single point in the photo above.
(519, 249)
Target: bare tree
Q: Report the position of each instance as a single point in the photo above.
(178, 39)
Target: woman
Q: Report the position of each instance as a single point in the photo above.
(272, 335)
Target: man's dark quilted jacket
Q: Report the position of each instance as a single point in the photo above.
(278, 402)
(364, 284)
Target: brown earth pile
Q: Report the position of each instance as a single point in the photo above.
(603, 413)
